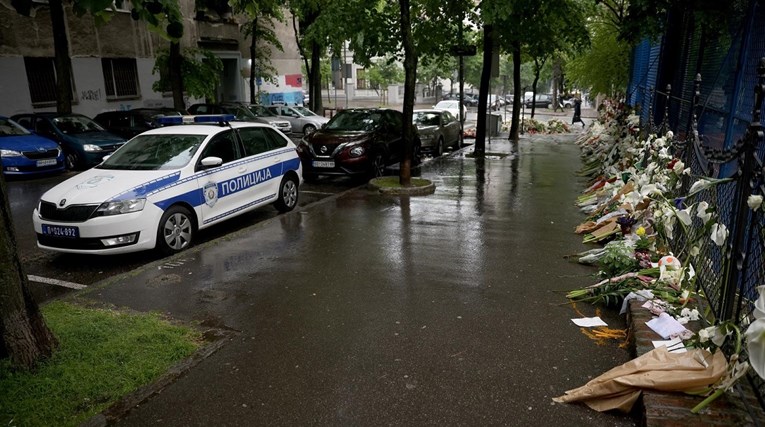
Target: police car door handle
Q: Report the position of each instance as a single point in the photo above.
(277, 160)
(242, 170)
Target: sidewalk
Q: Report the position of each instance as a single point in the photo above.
(365, 309)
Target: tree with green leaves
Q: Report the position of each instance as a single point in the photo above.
(314, 27)
(262, 14)
(200, 72)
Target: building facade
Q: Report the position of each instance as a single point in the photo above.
(112, 64)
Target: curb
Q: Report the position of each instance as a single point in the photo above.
(737, 407)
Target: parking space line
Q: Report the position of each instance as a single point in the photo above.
(56, 282)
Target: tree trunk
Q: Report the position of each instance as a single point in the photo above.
(24, 336)
(483, 92)
(314, 79)
(176, 75)
(253, 58)
(515, 124)
(537, 68)
(410, 72)
(305, 59)
(62, 61)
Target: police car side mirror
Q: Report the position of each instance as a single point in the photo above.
(211, 162)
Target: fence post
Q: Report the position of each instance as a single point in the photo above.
(665, 119)
(738, 243)
(692, 132)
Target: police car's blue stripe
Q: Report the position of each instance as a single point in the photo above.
(233, 211)
(147, 188)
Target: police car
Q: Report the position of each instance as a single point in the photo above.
(165, 184)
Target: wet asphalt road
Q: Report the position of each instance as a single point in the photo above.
(364, 309)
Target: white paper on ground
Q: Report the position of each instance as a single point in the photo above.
(666, 326)
(674, 345)
(589, 322)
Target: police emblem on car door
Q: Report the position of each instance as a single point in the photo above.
(221, 186)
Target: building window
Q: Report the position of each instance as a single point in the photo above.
(120, 78)
(361, 79)
(41, 77)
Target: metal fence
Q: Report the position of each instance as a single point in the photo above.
(727, 276)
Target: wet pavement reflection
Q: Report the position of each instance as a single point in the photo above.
(368, 309)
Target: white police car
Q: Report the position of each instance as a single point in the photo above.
(163, 185)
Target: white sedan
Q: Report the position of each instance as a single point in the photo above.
(452, 106)
(165, 184)
(302, 119)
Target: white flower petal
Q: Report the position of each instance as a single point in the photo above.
(759, 305)
(754, 202)
(685, 217)
(719, 234)
(755, 343)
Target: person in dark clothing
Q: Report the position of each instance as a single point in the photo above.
(578, 111)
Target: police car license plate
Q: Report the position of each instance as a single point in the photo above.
(61, 231)
(46, 162)
(323, 164)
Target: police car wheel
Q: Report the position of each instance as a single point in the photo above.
(176, 229)
(288, 195)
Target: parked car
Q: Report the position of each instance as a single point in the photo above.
(567, 101)
(541, 100)
(242, 112)
(85, 142)
(24, 153)
(130, 123)
(167, 183)
(356, 142)
(437, 129)
(452, 107)
(301, 118)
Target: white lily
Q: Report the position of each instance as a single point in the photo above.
(754, 202)
(678, 168)
(701, 184)
(755, 343)
(755, 335)
(685, 216)
(701, 211)
(719, 233)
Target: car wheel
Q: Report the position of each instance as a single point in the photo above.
(175, 231)
(417, 152)
(73, 161)
(288, 194)
(377, 168)
(440, 147)
(309, 129)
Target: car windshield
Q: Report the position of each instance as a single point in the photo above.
(426, 119)
(261, 111)
(10, 128)
(447, 104)
(71, 125)
(241, 113)
(154, 152)
(304, 111)
(354, 121)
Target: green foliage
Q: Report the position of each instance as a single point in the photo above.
(605, 67)
(619, 258)
(103, 355)
(385, 72)
(200, 68)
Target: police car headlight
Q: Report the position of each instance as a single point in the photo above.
(91, 147)
(10, 153)
(120, 207)
(357, 151)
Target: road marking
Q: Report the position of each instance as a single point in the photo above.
(56, 282)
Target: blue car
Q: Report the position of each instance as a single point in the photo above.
(24, 153)
(85, 142)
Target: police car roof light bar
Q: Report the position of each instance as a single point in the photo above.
(221, 119)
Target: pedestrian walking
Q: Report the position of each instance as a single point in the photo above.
(578, 111)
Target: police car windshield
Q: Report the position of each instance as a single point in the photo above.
(154, 152)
